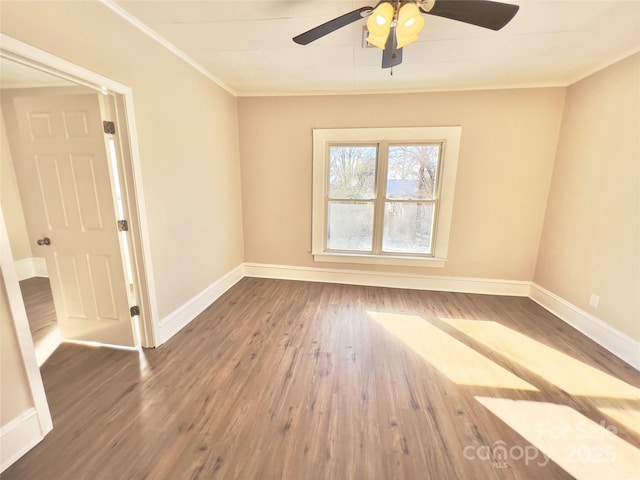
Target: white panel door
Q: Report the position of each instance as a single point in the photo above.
(63, 172)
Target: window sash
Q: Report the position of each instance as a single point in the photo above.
(433, 230)
(328, 217)
(351, 145)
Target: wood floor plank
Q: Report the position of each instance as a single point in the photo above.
(298, 380)
(36, 292)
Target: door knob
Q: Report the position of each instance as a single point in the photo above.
(44, 241)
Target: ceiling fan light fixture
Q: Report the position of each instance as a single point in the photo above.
(392, 24)
(379, 24)
(410, 23)
(427, 5)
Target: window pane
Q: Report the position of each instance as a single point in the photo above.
(413, 170)
(352, 172)
(350, 226)
(408, 227)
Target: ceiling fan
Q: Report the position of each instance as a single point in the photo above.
(392, 24)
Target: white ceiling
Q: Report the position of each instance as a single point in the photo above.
(247, 46)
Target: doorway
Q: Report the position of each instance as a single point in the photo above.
(30, 427)
(28, 72)
(31, 270)
(73, 208)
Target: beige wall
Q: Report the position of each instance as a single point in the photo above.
(591, 238)
(187, 133)
(15, 397)
(188, 138)
(10, 200)
(506, 155)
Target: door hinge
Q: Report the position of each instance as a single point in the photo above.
(135, 310)
(109, 127)
(123, 226)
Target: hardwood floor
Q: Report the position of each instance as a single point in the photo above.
(296, 380)
(38, 302)
(41, 314)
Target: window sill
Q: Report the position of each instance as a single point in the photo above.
(379, 260)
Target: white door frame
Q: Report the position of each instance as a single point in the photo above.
(22, 441)
(16, 50)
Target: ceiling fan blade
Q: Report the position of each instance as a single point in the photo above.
(332, 25)
(391, 56)
(483, 13)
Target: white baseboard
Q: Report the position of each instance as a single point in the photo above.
(392, 280)
(602, 333)
(621, 345)
(179, 318)
(618, 343)
(18, 437)
(31, 267)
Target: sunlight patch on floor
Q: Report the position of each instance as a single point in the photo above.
(564, 371)
(460, 363)
(47, 345)
(585, 449)
(628, 417)
(88, 343)
(145, 370)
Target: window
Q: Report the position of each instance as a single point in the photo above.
(383, 195)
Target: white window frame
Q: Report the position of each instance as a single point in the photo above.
(448, 136)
